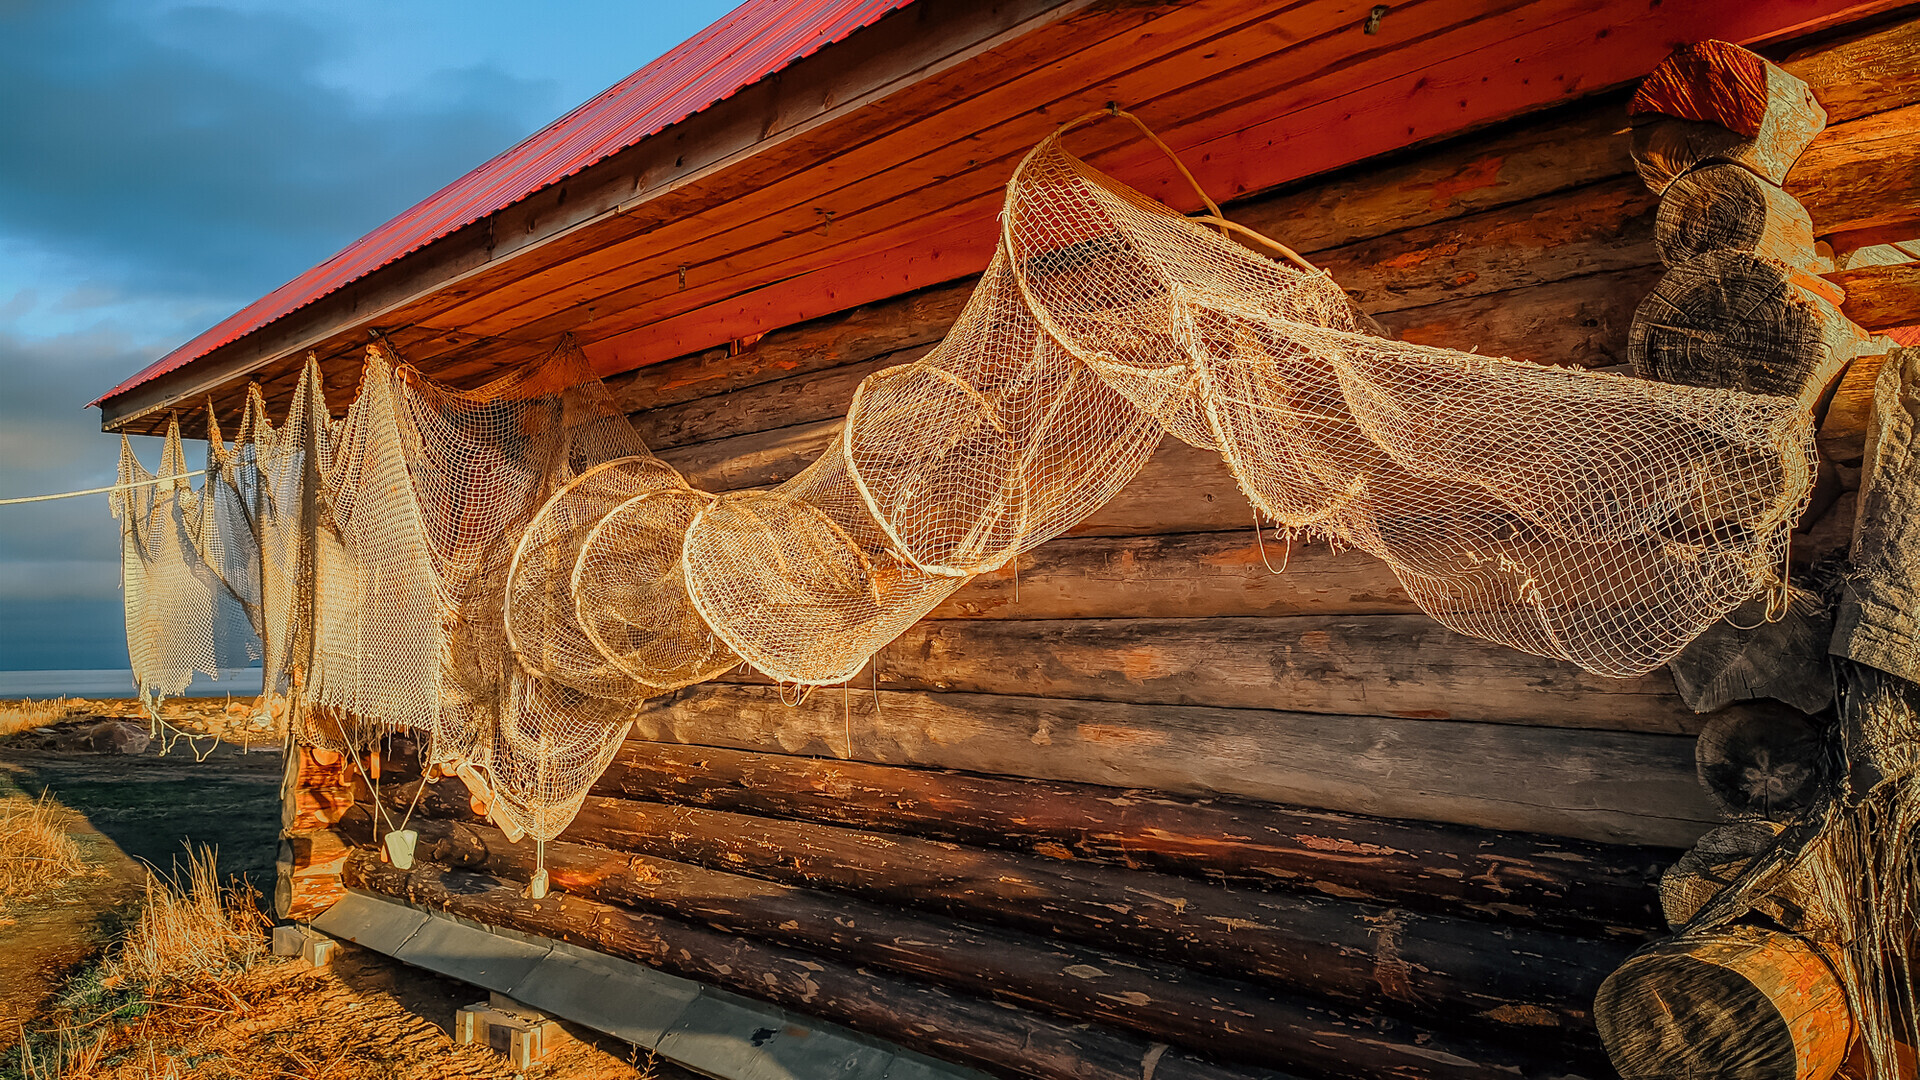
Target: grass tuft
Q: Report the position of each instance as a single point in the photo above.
(35, 851)
(191, 930)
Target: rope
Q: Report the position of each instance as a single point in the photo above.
(106, 490)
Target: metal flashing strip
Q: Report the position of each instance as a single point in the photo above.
(689, 1023)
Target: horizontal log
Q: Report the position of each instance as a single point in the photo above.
(872, 330)
(1727, 208)
(1741, 321)
(1862, 175)
(1712, 102)
(1500, 875)
(1610, 787)
(1843, 430)
(1363, 665)
(1187, 575)
(1600, 227)
(1181, 489)
(1226, 1019)
(998, 1037)
(1363, 954)
(800, 399)
(1579, 322)
(1881, 297)
(1863, 73)
(1543, 155)
(1724, 84)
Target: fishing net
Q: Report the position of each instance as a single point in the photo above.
(509, 571)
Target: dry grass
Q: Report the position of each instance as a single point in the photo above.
(192, 930)
(35, 851)
(16, 716)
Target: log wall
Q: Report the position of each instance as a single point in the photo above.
(1142, 806)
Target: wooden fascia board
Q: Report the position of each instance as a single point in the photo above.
(925, 39)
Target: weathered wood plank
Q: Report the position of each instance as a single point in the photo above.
(1610, 787)
(918, 318)
(1045, 934)
(1581, 321)
(1392, 665)
(1000, 1038)
(1501, 875)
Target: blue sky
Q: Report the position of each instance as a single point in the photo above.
(163, 164)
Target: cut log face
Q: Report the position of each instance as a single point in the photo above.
(1716, 862)
(1741, 321)
(1727, 208)
(1745, 656)
(1788, 891)
(1719, 83)
(1760, 763)
(1746, 1002)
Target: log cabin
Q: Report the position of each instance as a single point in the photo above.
(1140, 806)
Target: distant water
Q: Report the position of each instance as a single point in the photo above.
(118, 683)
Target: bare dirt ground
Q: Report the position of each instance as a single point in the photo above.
(363, 1017)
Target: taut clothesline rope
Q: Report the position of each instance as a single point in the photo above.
(108, 490)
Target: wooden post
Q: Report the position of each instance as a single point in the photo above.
(314, 796)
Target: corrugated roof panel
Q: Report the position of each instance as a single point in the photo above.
(755, 40)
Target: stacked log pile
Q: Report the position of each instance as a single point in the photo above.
(1771, 972)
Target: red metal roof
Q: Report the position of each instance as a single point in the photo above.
(753, 41)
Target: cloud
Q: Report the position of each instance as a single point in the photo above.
(160, 167)
(202, 149)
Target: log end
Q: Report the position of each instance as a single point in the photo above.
(1742, 1001)
(1711, 81)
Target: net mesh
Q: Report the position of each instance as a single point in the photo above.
(509, 571)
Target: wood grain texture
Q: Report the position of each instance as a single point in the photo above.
(1715, 82)
(1183, 575)
(1364, 955)
(1863, 175)
(1608, 787)
(1742, 321)
(1599, 227)
(1742, 1001)
(1394, 665)
(1595, 888)
(1181, 489)
(1727, 208)
(1881, 297)
(1863, 73)
(1000, 1038)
